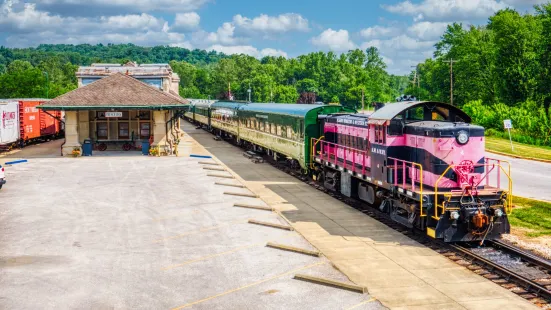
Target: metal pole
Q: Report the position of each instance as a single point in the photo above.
(510, 139)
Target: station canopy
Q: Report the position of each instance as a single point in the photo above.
(117, 91)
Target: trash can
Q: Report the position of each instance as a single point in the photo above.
(145, 147)
(87, 147)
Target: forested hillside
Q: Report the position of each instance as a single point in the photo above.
(503, 71)
(33, 72)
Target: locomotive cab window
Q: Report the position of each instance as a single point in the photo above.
(396, 127)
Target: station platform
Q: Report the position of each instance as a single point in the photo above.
(397, 271)
(120, 231)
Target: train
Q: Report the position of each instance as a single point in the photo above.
(421, 162)
(22, 123)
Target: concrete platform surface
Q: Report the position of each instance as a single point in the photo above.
(138, 232)
(396, 270)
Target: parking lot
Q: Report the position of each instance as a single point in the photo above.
(131, 231)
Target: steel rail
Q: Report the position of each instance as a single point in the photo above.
(526, 256)
(525, 283)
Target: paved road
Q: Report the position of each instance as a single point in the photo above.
(531, 179)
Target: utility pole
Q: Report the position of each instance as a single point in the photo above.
(249, 91)
(363, 96)
(416, 79)
(451, 62)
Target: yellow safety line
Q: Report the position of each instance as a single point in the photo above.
(213, 255)
(362, 303)
(200, 230)
(249, 285)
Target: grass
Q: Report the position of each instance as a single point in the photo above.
(532, 215)
(523, 150)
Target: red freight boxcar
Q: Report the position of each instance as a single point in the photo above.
(29, 121)
(31, 124)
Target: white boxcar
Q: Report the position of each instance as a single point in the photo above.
(9, 122)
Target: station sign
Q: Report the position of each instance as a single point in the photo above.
(113, 114)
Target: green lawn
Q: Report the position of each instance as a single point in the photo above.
(523, 150)
(532, 215)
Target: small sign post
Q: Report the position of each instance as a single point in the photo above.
(508, 124)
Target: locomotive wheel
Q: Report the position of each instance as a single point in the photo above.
(126, 147)
(102, 147)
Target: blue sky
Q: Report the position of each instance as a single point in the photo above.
(405, 31)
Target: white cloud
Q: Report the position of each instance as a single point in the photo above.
(114, 7)
(376, 32)
(443, 10)
(272, 24)
(247, 50)
(27, 26)
(338, 41)
(224, 35)
(401, 42)
(427, 30)
(186, 21)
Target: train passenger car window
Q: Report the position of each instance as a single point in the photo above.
(278, 130)
(290, 133)
(261, 127)
(273, 129)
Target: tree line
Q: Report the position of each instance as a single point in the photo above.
(501, 70)
(350, 78)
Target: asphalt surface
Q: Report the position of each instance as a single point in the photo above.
(531, 179)
(137, 232)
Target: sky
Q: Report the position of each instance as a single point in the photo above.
(404, 31)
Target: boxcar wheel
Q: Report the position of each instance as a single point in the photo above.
(102, 147)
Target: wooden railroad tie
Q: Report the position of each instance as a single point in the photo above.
(209, 163)
(268, 224)
(220, 176)
(243, 205)
(228, 184)
(241, 194)
(293, 249)
(337, 284)
(214, 168)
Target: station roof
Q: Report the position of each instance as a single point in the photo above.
(117, 91)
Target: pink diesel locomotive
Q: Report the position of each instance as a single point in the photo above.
(423, 163)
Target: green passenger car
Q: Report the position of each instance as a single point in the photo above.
(201, 112)
(224, 116)
(284, 128)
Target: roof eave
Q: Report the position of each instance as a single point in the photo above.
(114, 107)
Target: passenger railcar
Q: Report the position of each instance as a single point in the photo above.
(423, 163)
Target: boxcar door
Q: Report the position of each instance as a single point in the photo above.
(378, 153)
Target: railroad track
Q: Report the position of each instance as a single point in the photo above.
(533, 286)
(514, 269)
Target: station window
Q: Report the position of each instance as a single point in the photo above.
(101, 131)
(124, 132)
(145, 130)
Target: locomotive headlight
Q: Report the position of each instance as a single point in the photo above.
(454, 215)
(462, 137)
(498, 213)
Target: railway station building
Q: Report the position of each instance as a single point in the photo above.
(120, 107)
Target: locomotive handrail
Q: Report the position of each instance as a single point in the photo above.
(313, 152)
(334, 153)
(413, 165)
(508, 208)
